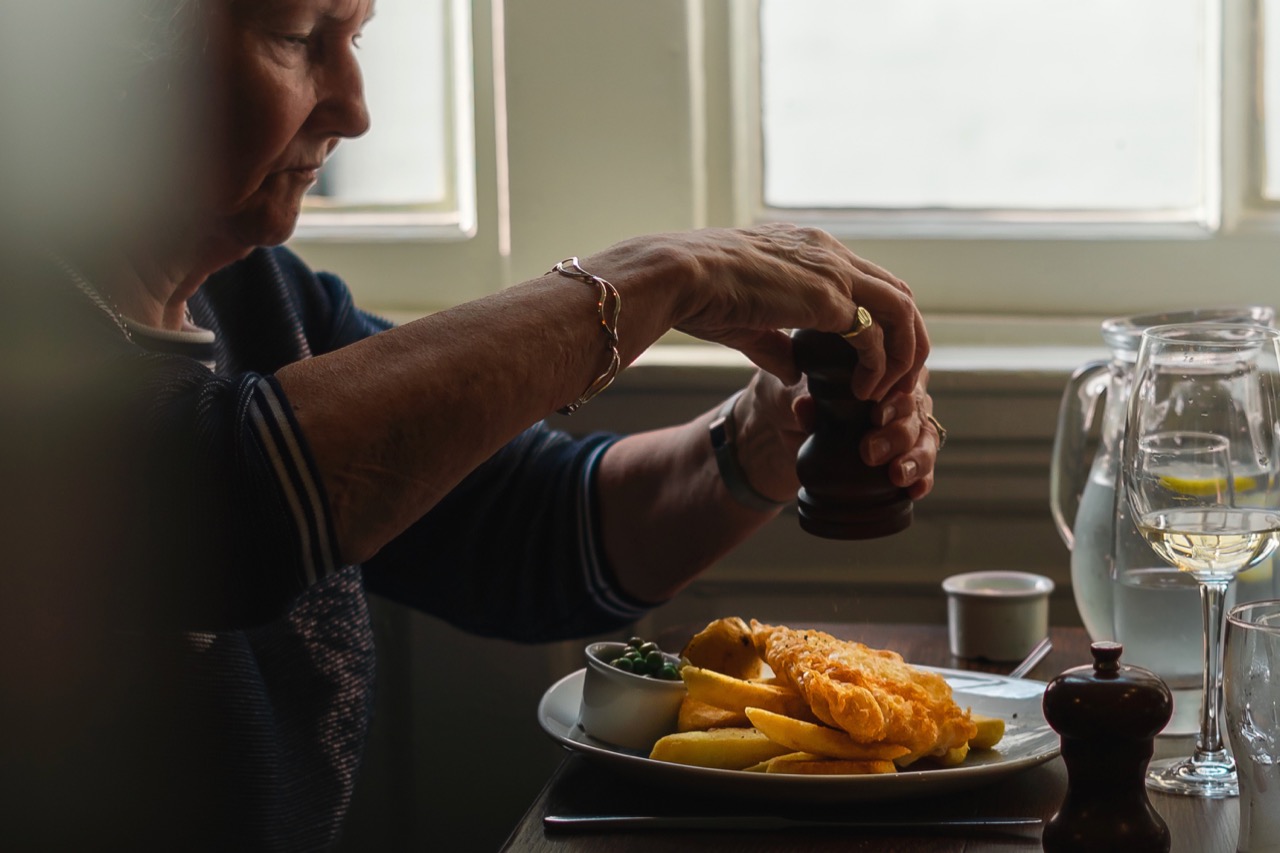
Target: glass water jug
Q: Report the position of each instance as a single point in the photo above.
(1095, 527)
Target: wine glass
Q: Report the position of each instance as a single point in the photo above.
(1201, 473)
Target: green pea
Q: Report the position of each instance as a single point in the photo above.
(654, 660)
(635, 642)
(669, 672)
(625, 664)
(647, 648)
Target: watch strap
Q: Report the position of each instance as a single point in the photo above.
(724, 431)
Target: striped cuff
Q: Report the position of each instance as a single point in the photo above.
(599, 580)
(272, 420)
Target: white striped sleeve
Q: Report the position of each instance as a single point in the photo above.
(598, 580)
(275, 428)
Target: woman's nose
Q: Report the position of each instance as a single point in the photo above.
(343, 109)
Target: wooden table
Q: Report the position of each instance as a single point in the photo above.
(581, 787)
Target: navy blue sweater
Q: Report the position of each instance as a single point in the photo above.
(204, 662)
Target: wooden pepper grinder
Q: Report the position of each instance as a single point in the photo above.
(1108, 716)
(841, 497)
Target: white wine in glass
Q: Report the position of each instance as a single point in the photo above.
(1201, 474)
(1212, 543)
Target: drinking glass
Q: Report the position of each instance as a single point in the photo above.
(1251, 685)
(1156, 617)
(1201, 473)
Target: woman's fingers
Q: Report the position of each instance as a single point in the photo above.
(889, 358)
(872, 370)
(901, 437)
(770, 350)
(892, 351)
(897, 435)
(905, 440)
(876, 271)
(739, 287)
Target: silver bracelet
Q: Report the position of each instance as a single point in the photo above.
(724, 432)
(609, 306)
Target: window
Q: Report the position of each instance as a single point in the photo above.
(1008, 158)
(413, 173)
(1269, 28)
(1156, 201)
(1046, 105)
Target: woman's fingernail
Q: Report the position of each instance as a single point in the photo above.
(908, 470)
(879, 449)
(887, 414)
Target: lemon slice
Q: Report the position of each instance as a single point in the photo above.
(1204, 486)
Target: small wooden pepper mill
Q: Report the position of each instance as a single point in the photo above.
(1108, 716)
(841, 497)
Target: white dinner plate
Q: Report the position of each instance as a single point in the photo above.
(1028, 741)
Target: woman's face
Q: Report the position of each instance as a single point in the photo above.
(287, 89)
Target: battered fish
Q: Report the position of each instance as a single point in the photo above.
(870, 693)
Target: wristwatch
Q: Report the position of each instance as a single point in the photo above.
(723, 432)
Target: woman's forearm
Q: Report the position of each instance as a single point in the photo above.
(665, 511)
(394, 422)
(668, 515)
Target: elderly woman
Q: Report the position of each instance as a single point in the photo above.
(238, 453)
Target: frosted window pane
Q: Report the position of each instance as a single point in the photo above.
(403, 159)
(1036, 104)
(1271, 98)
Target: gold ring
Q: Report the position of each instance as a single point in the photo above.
(942, 431)
(862, 322)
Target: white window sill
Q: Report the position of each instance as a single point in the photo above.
(1052, 359)
(995, 352)
(968, 351)
(424, 227)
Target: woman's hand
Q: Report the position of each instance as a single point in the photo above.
(743, 287)
(775, 418)
(904, 437)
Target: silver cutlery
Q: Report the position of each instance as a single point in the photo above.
(772, 822)
(1036, 655)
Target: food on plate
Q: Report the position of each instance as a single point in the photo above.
(990, 730)
(699, 716)
(870, 693)
(725, 646)
(816, 765)
(814, 704)
(817, 739)
(726, 749)
(645, 658)
(947, 758)
(954, 756)
(736, 694)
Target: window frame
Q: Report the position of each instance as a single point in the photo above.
(1244, 165)
(976, 223)
(997, 265)
(626, 120)
(453, 217)
(408, 272)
